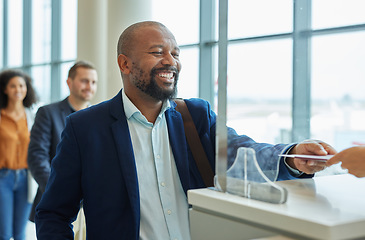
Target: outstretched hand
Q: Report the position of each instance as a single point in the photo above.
(352, 159)
(310, 147)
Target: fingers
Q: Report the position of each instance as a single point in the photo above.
(335, 159)
(313, 147)
(328, 148)
(357, 173)
(319, 147)
(309, 166)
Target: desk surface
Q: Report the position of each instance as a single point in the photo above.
(328, 207)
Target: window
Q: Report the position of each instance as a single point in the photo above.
(338, 100)
(259, 17)
(259, 81)
(69, 30)
(188, 84)
(185, 27)
(181, 17)
(261, 77)
(337, 13)
(1, 33)
(259, 84)
(14, 25)
(38, 37)
(41, 31)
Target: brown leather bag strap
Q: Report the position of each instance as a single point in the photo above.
(195, 145)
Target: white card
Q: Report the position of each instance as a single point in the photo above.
(308, 157)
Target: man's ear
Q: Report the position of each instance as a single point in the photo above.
(68, 81)
(123, 63)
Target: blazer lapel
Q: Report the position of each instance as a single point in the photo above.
(124, 147)
(178, 144)
(65, 110)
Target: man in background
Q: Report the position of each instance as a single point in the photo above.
(50, 122)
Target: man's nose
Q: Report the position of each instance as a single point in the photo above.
(168, 59)
(87, 85)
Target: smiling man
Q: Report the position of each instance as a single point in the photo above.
(150, 72)
(128, 159)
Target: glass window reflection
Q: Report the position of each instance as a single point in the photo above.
(41, 31)
(336, 13)
(188, 84)
(15, 33)
(1, 34)
(181, 17)
(259, 84)
(65, 67)
(248, 18)
(69, 30)
(41, 80)
(338, 100)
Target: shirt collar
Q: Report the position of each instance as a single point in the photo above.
(130, 109)
(72, 109)
(69, 104)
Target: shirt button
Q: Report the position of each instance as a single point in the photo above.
(169, 212)
(158, 156)
(163, 184)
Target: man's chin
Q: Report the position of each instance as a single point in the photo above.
(169, 95)
(87, 99)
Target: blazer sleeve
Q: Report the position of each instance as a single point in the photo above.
(60, 202)
(39, 147)
(267, 154)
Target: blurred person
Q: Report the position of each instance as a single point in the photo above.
(49, 123)
(127, 158)
(352, 159)
(16, 99)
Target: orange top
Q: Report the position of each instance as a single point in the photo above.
(14, 141)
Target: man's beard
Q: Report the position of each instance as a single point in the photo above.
(152, 89)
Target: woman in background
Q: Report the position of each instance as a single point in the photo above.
(16, 97)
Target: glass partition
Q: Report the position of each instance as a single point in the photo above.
(259, 89)
(243, 167)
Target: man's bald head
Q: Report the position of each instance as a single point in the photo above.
(126, 39)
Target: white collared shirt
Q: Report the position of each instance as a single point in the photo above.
(163, 203)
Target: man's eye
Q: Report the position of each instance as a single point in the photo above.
(156, 53)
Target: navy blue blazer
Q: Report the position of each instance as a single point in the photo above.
(95, 163)
(45, 135)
